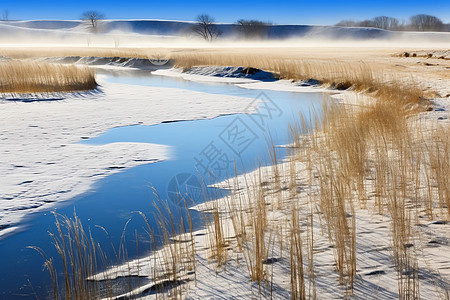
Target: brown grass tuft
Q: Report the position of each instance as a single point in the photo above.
(18, 77)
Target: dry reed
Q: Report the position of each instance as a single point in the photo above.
(79, 255)
(340, 75)
(19, 77)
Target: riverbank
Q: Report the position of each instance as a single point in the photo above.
(360, 208)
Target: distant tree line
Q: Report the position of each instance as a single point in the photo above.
(419, 22)
(206, 26)
(248, 29)
(254, 29)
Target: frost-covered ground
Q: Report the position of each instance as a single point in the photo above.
(41, 162)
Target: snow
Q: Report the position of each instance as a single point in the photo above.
(285, 86)
(233, 75)
(233, 72)
(112, 62)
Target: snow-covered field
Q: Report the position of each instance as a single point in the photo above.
(43, 164)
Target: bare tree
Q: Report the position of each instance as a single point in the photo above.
(5, 15)
(346, 23)
(426, 23)
(446, 27)
(253, 29)
(403, 25)
(92, 19)
(418, 22)
(366, 23)
(350, 23)
(384, 22)
(206, 27)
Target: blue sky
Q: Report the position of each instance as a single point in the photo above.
(280, 12)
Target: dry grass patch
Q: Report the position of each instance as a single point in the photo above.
(377, 157)
(340, 75)
(72, 51)
(38, 52)
(18, 77)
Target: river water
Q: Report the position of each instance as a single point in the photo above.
(203, 152)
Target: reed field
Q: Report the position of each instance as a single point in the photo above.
(21, 77)
(39, 52)
(378, 160)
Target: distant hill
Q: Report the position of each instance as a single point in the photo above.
(139, 32)
(44, 24)
(182, 28)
